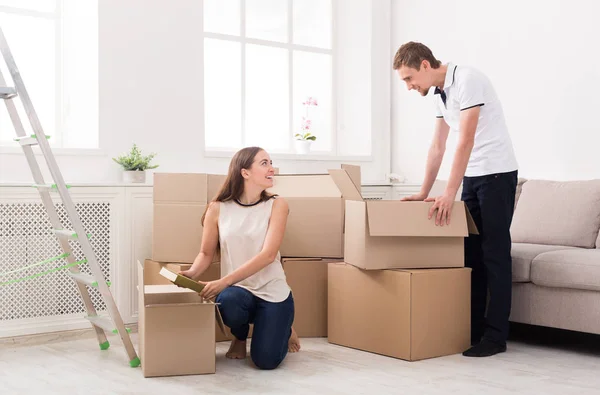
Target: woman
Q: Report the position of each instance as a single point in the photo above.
(248, 223)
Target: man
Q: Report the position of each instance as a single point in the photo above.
(484, 161)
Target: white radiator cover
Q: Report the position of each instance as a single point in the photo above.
(119, 220)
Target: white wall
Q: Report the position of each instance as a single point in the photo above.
(150, 77)
(543, 58)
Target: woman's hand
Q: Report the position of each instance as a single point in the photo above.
(213, 288)
(193, 274)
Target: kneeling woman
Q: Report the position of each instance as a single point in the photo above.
(248, 223)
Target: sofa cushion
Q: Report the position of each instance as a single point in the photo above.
(575, 269)
(522, 256)
(558, 213)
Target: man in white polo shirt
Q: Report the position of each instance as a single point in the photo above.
(485, 163)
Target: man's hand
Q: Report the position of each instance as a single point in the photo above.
(443, 204)
(419, 197)
(212, 288)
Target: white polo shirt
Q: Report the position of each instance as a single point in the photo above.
(464, 88)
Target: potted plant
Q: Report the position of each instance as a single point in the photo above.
(305, 138)
(135, 165)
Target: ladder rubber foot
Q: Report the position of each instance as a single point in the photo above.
(135, 362)
(105, 345)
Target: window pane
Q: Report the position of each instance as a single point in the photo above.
(222, 94)
(80, 74)
(31, 41)
(267, 20)
(312, 23)
(222, 16)
(35, 5)
(312, 78)
(267, 100)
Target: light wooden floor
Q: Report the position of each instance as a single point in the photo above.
(535, 364)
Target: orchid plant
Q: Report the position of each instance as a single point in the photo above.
(306, 122)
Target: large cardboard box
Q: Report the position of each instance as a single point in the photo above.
(315, 225)
(176, 330)
(180, 200)
(388, 234)
(406, 314)
(307, 277)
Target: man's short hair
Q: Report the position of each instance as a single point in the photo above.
(412, 54)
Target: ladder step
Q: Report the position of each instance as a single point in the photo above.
(68, 233)
(86, 279)
(7, 92)
(50, 187)
(31, 140)
(105, 323)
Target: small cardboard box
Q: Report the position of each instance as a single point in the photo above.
(176, 330)
(390, 234)
(406, 314)
(315, 225)
(307, 277)
(180, 200)
(152, 276)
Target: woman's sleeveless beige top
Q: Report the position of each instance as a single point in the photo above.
(242, 233)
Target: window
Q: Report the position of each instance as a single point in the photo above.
(55, 46)
(268, 66)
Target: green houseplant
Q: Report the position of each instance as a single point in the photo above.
(135, 164)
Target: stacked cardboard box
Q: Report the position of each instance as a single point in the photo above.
(402, 290)
(314, 238)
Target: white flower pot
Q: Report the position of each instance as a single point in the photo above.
(134, 176)
(303, 146)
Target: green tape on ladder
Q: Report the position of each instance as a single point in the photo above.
(18, 280)
(135, 362)
(105, 345)
(95, 284)
(49, 260)
(53, 186)
(115, 331)
(33, 136)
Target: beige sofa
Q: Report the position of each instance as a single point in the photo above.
(556, 255)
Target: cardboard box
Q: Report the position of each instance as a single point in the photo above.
(152, 276)
(406, 314)
(315, 225)
(308, 279)
(180, 200)
(176, 330)
(388, 234)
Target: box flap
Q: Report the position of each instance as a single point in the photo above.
(304, 186)
(220, 320)
(471, 222)
(395, 218)
(345, 184)
(180, 187)
(354, 173)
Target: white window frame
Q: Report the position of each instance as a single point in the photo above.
(7, 147)
(214, 152)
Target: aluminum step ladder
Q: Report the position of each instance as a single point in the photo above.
(113, 323)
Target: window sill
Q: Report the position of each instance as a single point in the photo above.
(315, 157)
(55, 151)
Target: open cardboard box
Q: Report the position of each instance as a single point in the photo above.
(176, 330)
(179, 203)
(387, 234)
(315, 225)
(152, 277)
(401, 313)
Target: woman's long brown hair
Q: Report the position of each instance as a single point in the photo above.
(233, 187)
